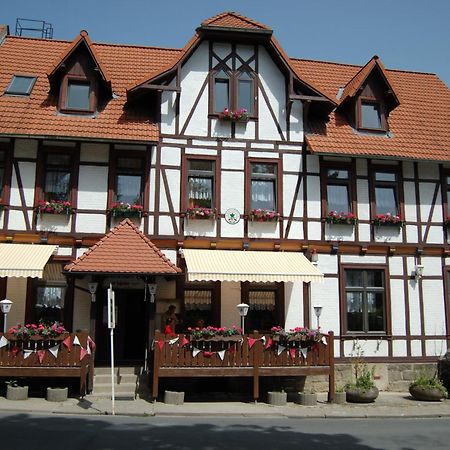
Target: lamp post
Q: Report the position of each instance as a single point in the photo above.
(318, 312)
(243, 310)
(5, 306)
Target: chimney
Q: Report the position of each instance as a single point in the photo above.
(4, 31)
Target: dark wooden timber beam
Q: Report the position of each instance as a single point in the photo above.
(160, 87)
(311, 98)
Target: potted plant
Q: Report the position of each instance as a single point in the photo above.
(54, 207)
(200, 212)
(263, 215)
(427, 388)
(16, 392)
(277, 398)
(388, 219)
(240, 115)
(340, 396)
(307, 398)
(122, 209)
(333, 217)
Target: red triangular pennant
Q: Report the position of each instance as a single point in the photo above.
(91, 343)
(292, 353)
(268, 343)
(41, 354)
(251, 342)
(185, 341)
(83, 353)
(15, 350)
(161, 345)
(68, 342)
(207, 354)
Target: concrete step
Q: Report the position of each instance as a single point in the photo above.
(118, 379)
(118, 370)
(128, 388)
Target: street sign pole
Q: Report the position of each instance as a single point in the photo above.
(111, 326)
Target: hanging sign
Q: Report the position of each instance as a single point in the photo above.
(111, 308)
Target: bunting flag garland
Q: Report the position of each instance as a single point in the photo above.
(54, 350)
(268, 343)
(68, 343)
(280, 350)
(88, 349)
(184, 342)
(304, 352)
(263, 339)
(3, 342)
(195, 352)
(207, 354)
(292, 353)
(83, 353)
(161, 345)
(221, 354)
(174, 340)
(15, 350)
(76, 341)
(251, 342)
(27, 353)
(324, 340)
(91, 343)
(41, 355)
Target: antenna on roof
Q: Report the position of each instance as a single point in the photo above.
(34, 28)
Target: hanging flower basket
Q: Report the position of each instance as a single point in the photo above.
(333, 217)
(199, 212)
(263, 215)
(241, 115)
(388, 220)
(54, 207)
(121, 209)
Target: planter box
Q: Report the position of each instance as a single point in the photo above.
(17, 393)
(307, 399)
(355, 395)
(340, 398)
(277, 398)
(173, 398)
(57, 394)
(426, 394)
(235, 338)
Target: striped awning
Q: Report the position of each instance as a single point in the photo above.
(24, 260)
(234, 265)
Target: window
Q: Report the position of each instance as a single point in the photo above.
(50, 303)
(386, 193)
(263, 186)
(365, 301)
(129, 184)
(338, 190)
(201, 304)
(370, 115)
(447, 178)
(21, 85)
(200, 183)
(233, 91)
(2, 173)
(78, 95)
(58, 177)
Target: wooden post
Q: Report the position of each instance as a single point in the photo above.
(156, 359)
(331, 381)
(257, 357)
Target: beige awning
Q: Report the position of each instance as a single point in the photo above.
(234, 265)
(24, 260)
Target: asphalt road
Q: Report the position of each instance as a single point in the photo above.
(54, 432)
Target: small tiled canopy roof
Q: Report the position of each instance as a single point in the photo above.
(124, 250)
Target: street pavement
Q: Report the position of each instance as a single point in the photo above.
(388, 405)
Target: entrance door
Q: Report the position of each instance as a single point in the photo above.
(131, 329)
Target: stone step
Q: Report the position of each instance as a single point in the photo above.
(129, 388)
(118, 370)
(118, 379)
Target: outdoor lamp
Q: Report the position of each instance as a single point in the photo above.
(418, 271)
(93, 290)
(243, 310)
(5, 306)
(152, 290)
(317, 312)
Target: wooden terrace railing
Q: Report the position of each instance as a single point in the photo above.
(177, 359)
(66, 364)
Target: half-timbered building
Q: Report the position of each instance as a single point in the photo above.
(251, 176)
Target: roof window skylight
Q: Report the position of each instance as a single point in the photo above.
(21, 85)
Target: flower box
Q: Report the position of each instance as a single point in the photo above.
(393, 220)
(263, 215)
(199, 212)
(216, 334)
(298, 334)
(239, 115)
(34, 332)
(121, 209)
(54, 207)
(333, 217)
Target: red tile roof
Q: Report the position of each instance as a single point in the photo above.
(231, 19)
(36, 115)
(124, 249)
(419, 126)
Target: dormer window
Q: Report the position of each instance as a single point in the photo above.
(371, 116)
(77, 95)
(20, 85)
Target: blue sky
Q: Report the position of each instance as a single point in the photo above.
(406, 34)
